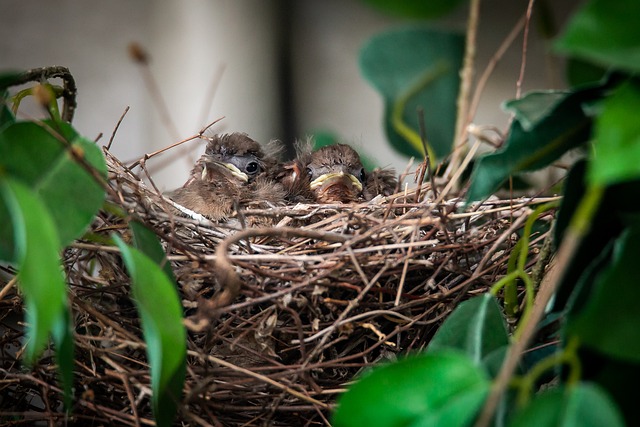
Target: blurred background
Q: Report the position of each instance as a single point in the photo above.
(275, 69)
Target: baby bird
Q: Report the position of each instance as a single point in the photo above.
(335, 174)
(233, 171)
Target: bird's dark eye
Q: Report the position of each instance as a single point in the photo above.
(363, 176)
(252, 168)
(309, 172)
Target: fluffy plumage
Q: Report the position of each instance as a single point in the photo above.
(334, 174)
(234, 171)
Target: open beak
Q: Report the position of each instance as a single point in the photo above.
(329, 179)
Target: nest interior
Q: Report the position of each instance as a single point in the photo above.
(324, 293)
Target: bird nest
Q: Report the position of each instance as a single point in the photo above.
(280, 319)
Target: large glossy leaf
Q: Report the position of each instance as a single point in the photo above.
(585, 405)
(415, 67)
(30, 152)
(605, 32)
(445, 388)
(157, 301)
(416, 9)
(617, 138)
(475, 327)
(564, 126)
(610, 319)
(40, 276)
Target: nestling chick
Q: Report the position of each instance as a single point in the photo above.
(233, 171)
(335, 174)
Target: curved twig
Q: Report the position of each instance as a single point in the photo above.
(69, 90)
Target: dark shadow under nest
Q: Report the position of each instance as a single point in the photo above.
(324, 295)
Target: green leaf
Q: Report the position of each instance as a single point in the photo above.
(9, 78)
(614, 298)
(564, 126)
(605, 32)
(416, 9)
(147, 242)
(30, 152)
(159, 306)
(581, 72)
(609, 222)
(585, 405)
(40, 276)
(475, 327)
(445, 388)
(415, 67)
(617, 138)
(533, 107)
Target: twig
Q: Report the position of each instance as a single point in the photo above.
(113, 134)
(525, 44)
(162, 150)
(465, 86)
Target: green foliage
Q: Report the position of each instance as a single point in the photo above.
(605, 32)
(39, 154)
(416, 9)
(40, 275)
(439, 388)
(546, 126)
(146, 241)
(617, 138)
(159, 306)
(414, 67)
(618, 336)
(52, 185)
(596, 363)
(476, 328)
(583, 405)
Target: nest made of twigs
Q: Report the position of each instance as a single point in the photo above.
(326, 293)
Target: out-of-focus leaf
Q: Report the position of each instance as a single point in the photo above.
(617, 138)
(615, 208)
(439, 388)
(585, 405)
(159, 306)
(147, 242)
(617, 377)
(31, 153)
(581, 72)
(614, 298)
(475, 327)
(534, 106)
(8, 78)
(416, 9)
(564, 126)
(605, 32)
(415, 67)
(40, 276)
